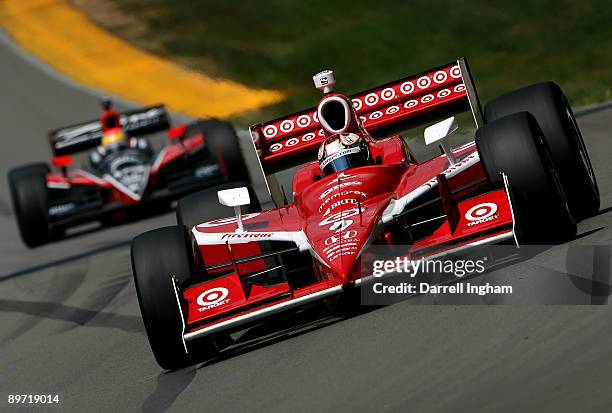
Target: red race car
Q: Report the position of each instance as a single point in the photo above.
(525, 178)
(124, 174)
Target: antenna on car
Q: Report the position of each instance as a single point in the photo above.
(285, 201)
(325, 81)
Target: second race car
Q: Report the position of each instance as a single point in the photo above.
(124, 174)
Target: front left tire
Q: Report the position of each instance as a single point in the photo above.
(28, 186)
(162, 260)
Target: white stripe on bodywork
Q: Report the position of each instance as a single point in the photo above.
(118, 185)
(160, 158)
(397, 206)
(58, 185)
(90, 176)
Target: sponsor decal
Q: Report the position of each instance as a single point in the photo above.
(342, 193)
(212, 298)
(339, 154)
(247, 235)
(335, 205)
(339, 186)
(226, 221)
(61, 209)
(343, 243)
(346, 236)
(340, 216)
(206, 170)
(481, 213)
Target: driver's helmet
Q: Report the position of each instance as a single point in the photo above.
(343, 151)
(113, 138)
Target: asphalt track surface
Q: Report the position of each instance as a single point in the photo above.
(70, 323)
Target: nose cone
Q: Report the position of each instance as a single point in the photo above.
(339, 236)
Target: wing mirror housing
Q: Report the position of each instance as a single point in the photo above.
(62, 162)
(235, 198)
(177, 133)
(439, 132)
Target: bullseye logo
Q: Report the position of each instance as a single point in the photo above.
(481, 213)
(212, 298)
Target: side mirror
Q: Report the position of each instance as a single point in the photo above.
(440, 132)
(177, 133)
(62, 162)
(235, 197)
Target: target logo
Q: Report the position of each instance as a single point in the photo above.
(303, 121)
(212, 298)
(376, 115)
(455, 72)
(440, 77)
(407, 88)
(481, 213)
(286, 126)
(423, 82)
(388, 94)
(371, 99)
(270, 131)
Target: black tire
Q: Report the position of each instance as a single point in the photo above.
(222, 141)
(28, 186)
(157, 256)
(547, 103)
(204, 205)
(515, 145)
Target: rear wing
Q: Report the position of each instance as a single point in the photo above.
(406, 103)
(83, 136)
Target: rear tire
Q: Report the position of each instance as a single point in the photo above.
(157, 256)
(515, 145)
(547, 103)
(222, 141)
(28, 186)
(203, 206)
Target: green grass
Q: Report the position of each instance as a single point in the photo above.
(281, 44)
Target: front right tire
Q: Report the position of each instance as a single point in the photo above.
(547, 103)
(222, 141)
(515, 145)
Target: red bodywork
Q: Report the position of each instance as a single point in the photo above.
(333, 218)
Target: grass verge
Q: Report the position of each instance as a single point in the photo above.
(279, 45)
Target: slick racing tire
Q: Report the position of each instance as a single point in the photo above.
(203, 206)
(28, 186)
(161, 261)
(222, 141)
(515, 146)
(547, 103)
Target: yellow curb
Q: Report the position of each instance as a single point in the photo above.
(67, 40)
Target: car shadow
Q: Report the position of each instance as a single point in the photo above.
(170, 385)
(78, 316)
(283, 327)
(65, 260)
